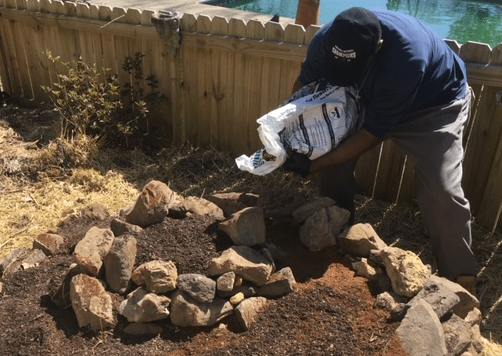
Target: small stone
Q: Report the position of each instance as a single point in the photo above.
(225, 282)
(236, 299)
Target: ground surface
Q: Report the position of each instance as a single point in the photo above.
(330, 313)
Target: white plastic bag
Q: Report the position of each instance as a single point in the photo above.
(313, 121)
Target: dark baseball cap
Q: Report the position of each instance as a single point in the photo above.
(351, 39)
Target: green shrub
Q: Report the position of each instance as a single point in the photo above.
(91, 102)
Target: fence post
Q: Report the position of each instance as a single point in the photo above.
(308, 12)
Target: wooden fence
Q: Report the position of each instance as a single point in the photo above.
(226, 74)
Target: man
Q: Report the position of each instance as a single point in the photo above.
(415, 92)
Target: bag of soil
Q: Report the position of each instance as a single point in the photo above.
(312, 122)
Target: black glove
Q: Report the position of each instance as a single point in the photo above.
(298, 163)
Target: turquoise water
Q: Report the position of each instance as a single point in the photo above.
(460, 20)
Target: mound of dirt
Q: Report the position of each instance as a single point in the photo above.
(331, 312)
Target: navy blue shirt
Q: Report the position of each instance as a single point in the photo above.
(415, 69)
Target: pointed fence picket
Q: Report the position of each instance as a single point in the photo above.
(226, 75)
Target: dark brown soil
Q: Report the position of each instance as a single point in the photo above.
(331, 312)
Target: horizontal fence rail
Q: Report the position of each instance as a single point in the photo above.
(226, 73)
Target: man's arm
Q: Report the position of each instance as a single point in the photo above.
(298, 85)
(351, 148)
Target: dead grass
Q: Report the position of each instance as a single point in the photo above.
(43, 180)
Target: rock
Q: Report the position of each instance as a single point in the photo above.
(225, 282)
(474, 317)
(248, 292)
(279, 284)
(231, 203)
(143, 329)
(441, 298)
(142, 306)
(467, 303)
(90, 251)
(265, 252)
(245, 227)
(197, 286)
(398, 312)
(248, 310)
(119, 263)
(50, 244)
(152, 205)
(32, 258)
(421, 332)
(457, 335)
(91, 303)
(360, 239)
(389, 301)
(476, 340)
(243, 261)
(238, 281)
(20, 259)
(306, 210)
(158, 276)
(95, 211)
(405, 269)
(186, 311)
(120, 227)
(12, 262)
(201, 206)
(366, 268)
(60, 293)
(237, 299)
(322, 228)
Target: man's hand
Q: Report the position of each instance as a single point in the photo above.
(298, 163)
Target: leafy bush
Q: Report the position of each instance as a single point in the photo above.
(91, 102)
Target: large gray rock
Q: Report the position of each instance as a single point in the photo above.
(441, 298)
(91, 303)
(197, 286)
(421, 332)
(245, 227)
(457, 334)
(323, 227)
(467, 303)
(142, 306)
(186, 311)
(50, 244)
(243, 261)
(306, 210)
(158, 276)
(119, 263)
(90, 251)
(248, 310)
(405, 269)
(360, 239)
(152, 205)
